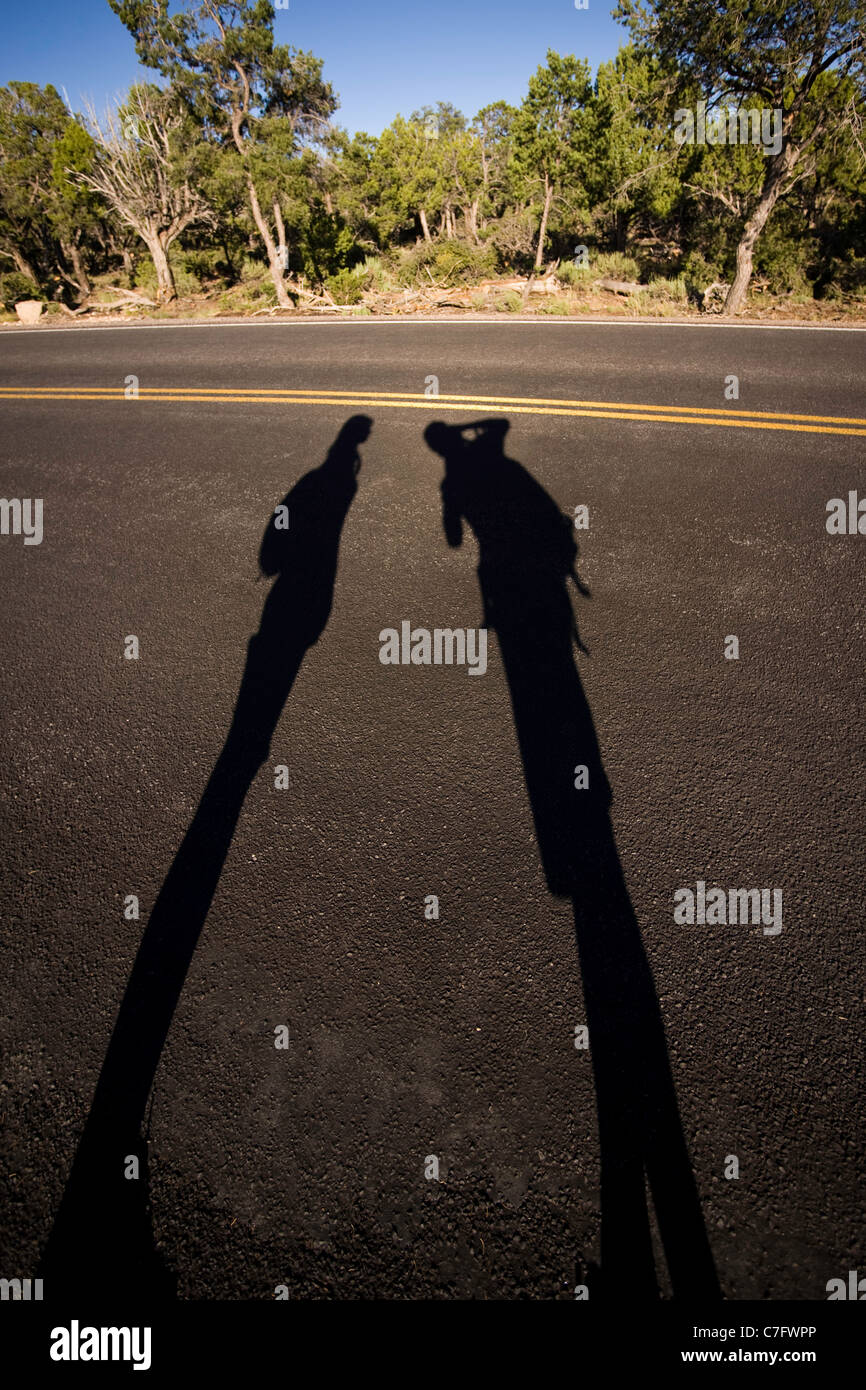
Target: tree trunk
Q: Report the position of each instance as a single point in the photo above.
(276, 269)
(274, 260)
(72, 252)
(229, 262)
(282, 249)
(23, 265)
(620, 228)
(422, 217)
(780, 169)
(166, 290)
(116, 248)
(470, 217)
(542, 231)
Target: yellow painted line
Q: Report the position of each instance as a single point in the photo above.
(199, 393)
(434, 404)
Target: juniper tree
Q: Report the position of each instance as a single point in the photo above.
(265, 99)
(774, 51)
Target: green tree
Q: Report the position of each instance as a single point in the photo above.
(407, 176)
(353, 187)
(773, 51)
(266, 99)
(78, 213)
(634, 165)
(493, 125)
(30, 120)
(549, 134)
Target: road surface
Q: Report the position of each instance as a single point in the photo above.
(287, 1045)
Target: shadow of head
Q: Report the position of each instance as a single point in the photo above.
(354, 432)
(303, 532)
(481, 436)
(524, 538)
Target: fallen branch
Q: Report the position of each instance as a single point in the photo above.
(619, 286)
(131, 295)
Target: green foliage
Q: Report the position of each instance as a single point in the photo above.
(379, 277)
(613, 264)
(567, 273)
(509, 303)
(45, 219)
(326, 244)
(461, 263)
(14, 287)
(698, 272)
(634, 171)
(551, 148)
(186, 280)
(444, 263)
(347, 286)
(557, 307)
(200, 265)
(442, 199)
(252, 294)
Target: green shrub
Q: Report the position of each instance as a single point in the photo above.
(661, 290)
(347, 286)
(246, 298)
(14, 287)
(461, 262)
(509, 303)
(379, 274)
(186, 283)
(445, 262)
(698, 272)
(613, 264)
(567, 273)
(512, 238)
(409, 263)
(201, 264)
(559, 307)
(252, 269)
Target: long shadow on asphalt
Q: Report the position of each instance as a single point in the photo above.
(527, 557)
(102, 1232)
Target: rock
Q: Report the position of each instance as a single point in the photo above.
(29, 310)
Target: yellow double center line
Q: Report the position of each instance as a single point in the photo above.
(405, 400)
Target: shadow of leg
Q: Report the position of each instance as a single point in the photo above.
(527, 558)
(103, 1223)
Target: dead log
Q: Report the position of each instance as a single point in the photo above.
(619, 286)
(536, 285)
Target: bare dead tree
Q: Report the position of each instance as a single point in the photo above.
(144, 175)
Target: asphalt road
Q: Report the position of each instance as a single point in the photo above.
(309, 1167)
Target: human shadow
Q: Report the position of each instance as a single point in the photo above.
(102, 1231)
(527, 559)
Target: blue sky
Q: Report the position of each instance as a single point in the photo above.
(382, 57)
